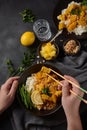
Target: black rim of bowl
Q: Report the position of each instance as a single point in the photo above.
(23, 77)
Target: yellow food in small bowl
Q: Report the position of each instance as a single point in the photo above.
(48, 51)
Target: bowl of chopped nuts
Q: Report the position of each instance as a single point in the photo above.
(71, 46)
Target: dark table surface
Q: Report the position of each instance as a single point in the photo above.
(11, 28)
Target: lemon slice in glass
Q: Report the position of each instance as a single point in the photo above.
(36, 98)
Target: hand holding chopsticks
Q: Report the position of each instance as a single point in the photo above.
(71, 104)
(72, 83)
(70, 95)
(69, 81)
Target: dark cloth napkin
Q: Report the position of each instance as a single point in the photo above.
(75, 66)
(24, 120)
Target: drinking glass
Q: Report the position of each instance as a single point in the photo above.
(42, 29)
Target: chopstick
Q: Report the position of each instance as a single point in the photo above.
(78, 96)
(54, 79)
(83, 90)
(85, 101)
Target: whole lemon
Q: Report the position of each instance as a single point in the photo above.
(27, 38)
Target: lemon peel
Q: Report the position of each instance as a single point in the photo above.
(36, 98)
(27, 38)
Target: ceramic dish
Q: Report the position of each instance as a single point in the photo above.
(48, 51)
(28, 72)
(71, 47)
(57, 11)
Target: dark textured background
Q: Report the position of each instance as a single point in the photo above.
(11, 28)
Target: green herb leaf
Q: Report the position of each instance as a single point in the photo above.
(28, 58)
(84, 2)
(27, 15)
(75, 11)
(46, 91)
(10, 65)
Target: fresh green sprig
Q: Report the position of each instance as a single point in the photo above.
(10, 65)
(84, 2)
(27, 15)
(75, 11)
(46, 91)
(28, 58)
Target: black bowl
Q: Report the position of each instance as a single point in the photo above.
(77, 45)
(62, 4)
(43, 44)
(33, 69)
